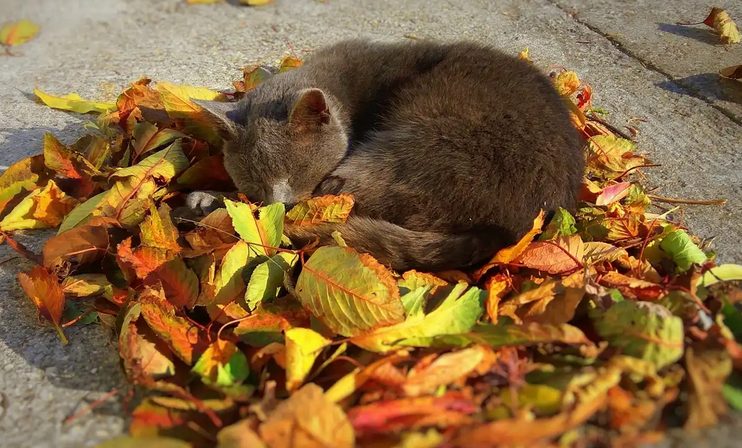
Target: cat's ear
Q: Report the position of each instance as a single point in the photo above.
(310, 111)
(223, 115)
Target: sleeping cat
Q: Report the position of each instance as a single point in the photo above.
(450, 150)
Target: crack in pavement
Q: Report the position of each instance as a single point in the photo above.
(689, 89)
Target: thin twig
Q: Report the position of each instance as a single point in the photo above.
(686, 201)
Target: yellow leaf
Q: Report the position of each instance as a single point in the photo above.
(24, 175)
(178, 104)
(73, 103)
(523, 56)
(158, 229)
(289, 63)
(13, 34)
(255, 2)
(567, 83)
(303, 346)
(724, 26)
(41, 209)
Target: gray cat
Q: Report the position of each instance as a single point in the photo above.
(450, 150)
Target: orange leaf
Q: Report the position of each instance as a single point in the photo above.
(178, 281)
(443, 371)
(497, 287)
(183, 337)
(79, 245)
(510, 432)
(207, 174)
(327, 208)
(555, 257)
(632, 288)
(291, 425)
(144, 260)
(509, 254)
(46, 293)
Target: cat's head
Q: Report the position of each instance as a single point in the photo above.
(279, 144)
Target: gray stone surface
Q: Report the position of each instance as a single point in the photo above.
(95, 48)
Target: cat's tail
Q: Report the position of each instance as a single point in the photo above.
(403, 249)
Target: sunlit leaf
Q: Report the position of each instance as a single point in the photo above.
(222, 364)
(24, 175)
(349, 292)
(42, 208)
(321, 209)
(263, 232)
(456, 314)
(178, 104)
(12, 34)
(73, 103)
(719, 20)
(682, 250)
(303, 346)
(268, 277)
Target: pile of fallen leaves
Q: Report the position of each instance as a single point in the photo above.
(612, 324)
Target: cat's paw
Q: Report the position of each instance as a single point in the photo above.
(201, 203)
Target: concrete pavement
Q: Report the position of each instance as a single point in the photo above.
(638, 63)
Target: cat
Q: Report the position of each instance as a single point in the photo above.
(450, 149)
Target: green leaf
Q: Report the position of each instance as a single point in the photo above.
(562, 224)
(456, 314)
(303, 346)
(732, 391)
(414, 301)
(732, 319)
(349, 292)
(504, 334)
(83, 212)
(683, 250)
(222, 364)
(163, 165)
(267, 278)
(262, 232)
(72, 311)
(228, 281)
(643, 330)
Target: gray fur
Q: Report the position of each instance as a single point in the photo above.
(450, 150)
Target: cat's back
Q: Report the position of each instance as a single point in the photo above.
(469, 136)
